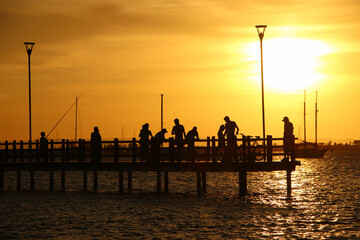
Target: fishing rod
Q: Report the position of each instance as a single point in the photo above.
(64, 115)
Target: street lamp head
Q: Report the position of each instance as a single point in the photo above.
(29, 46)
(261, 30)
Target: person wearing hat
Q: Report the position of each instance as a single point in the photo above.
(288, 136)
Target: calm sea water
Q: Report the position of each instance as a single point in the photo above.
(325, 204)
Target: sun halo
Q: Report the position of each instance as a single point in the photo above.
(290, 64)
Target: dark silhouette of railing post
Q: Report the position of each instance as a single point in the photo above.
(21, 151)
(31, 172)
(37, 151)
(14, 151)
(116, 150)
(134, 150)
(63, 157)
(79, 150)
(244, 148)
(83, 150)
(6, 151)
(208, 149)
(269, 149)
(52, 154)
(213, 149)
(171, 150)
(67, 150)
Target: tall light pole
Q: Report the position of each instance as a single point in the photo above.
(29, 46)
(261, 32)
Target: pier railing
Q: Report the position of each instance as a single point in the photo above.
(249, 149)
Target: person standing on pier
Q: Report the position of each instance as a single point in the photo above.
(190, 139)
(221, 149)
(230, 134)
(43, 148)
(156, 143)
(179, 132)
(288, 137)
(145, 135)
(96, 146)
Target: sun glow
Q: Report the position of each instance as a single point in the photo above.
(289, 63)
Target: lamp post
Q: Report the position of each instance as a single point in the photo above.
(29, 46)
(261, 32)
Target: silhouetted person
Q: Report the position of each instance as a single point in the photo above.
(179, 132)
(43, 148)
(221, 149)
(96, 146)
(230, 134)
(145, 135)
(288, 138)
(190, 139)
(156, 143)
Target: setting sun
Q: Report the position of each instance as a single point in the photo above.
(290, 64)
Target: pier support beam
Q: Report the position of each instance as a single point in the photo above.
(121, 182)
(32, 181)
(203, 182)
(18, 181)
(51, 181)
(166, 182)
(198, 183)
(62, 180)
(158, 182)
(129, 181)
(288, 182)
(85, 181)
(242, 183)
(95, 186)
(1, 181)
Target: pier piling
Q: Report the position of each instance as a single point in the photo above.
(288, 181)
(121, 182)
(129, 181)
(18, 181)
(242, 183)
(158, 182)
(85, 181)
(95, 186)
(51, 180)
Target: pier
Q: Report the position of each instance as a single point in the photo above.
(126, 157)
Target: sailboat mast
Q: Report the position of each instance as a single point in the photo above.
(162, 112)
(304, 115)
(76, 110)
(316, 112)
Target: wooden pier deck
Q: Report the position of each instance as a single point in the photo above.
(125, 156)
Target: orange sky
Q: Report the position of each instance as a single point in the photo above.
(202, 55)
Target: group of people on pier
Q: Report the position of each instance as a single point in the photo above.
(150, 145)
